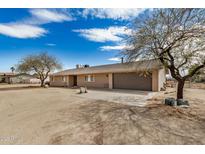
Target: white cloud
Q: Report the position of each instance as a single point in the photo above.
(29, 27)
(109, 48)
(114, 59)
(22, 31)
(122, 46)
(112, 13)
(42, 16)
(50, 44)
(102, 35)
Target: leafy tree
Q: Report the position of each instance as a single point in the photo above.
(40, 64)
(176, 37)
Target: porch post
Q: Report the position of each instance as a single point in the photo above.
(67, 81)
(110, 80)
(155, 81)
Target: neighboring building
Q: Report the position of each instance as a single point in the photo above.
(5, 77)
(24, 78)
(12, 78)
(114, 76)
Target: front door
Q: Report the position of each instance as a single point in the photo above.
(75, 80)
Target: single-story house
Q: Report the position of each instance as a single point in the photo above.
(5, 77)
(114, 76)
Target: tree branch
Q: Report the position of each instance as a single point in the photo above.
(195, 71)
(182, 64)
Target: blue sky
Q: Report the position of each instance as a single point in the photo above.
(74, 36)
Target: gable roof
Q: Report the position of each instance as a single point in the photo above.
(114, 68)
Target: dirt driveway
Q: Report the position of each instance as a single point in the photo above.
(60, 116)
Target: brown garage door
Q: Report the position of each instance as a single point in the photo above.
(132, 81)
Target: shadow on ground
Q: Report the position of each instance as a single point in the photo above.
(18, 88)
(103, 123)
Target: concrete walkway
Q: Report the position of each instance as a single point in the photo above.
(127, 97)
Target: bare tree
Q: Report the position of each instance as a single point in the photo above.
(40, 64)
(174, 36)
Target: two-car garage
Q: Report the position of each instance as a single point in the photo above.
(132, 81)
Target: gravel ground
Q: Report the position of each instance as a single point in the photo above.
(61, 116)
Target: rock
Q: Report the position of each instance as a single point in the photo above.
(163, 89)
(184, 106)
(83, 90)
(170, 101)
(46, 86)
(181, 102)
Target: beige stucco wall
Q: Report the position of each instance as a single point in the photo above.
(56, 78)
(101, 81)
(158, 79)
(58, 84)
(57, 81)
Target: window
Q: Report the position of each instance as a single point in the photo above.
(89, 78)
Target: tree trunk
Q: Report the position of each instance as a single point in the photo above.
(180, 89)
(42, 83)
